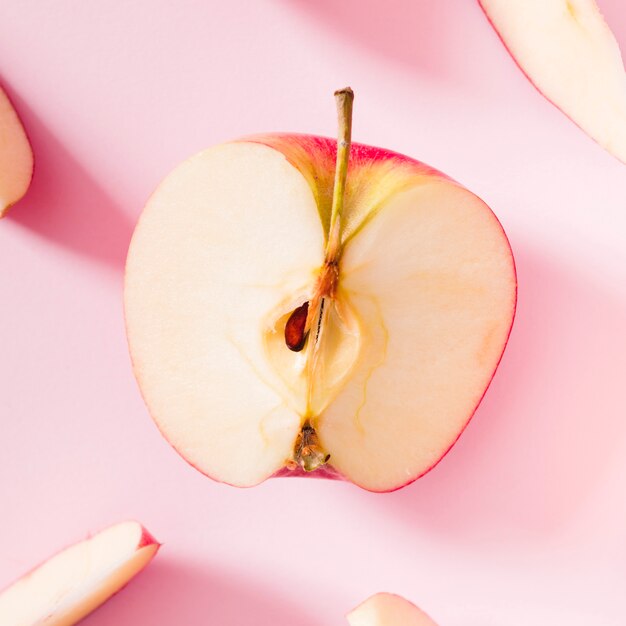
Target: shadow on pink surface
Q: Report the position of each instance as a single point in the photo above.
(540, 442)
(412, 32)
(64, 204)
(173, 593)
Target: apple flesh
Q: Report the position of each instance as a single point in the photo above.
(570, 54)
(16, 156)
(407, 317)
(387, 609)
(76, 581)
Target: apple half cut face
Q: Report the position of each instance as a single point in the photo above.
(388, 609)
(291, 310)
(569, 53)
(76, 581)
(16, 156)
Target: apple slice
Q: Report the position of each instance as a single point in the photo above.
(16, 156)
(570, 54)
(388, 609)
(293, 309)
(76, 581)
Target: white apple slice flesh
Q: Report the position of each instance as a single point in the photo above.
(16, 156)
(570, 54)
(387, 609)
(76, 581)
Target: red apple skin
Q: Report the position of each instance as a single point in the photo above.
(314, 156)
(532, 82)
(147, 539)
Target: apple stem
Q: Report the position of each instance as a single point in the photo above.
(329, 275)
(344, 99)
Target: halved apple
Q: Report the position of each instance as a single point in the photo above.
(388, 609)
(76, 581)
(570, 54)
(16, 156)
(291, 309)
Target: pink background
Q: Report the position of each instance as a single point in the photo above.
(523, 523)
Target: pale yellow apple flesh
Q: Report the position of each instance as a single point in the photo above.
(394, 365)
(570, 54)
(16, 157)
(387, 609)
(73, 583)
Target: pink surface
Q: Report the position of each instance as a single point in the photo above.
(523, 522)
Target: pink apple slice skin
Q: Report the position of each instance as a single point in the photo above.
(388, 609)
(161, 316)
(568, 52)
(74, 582)
(16, 156)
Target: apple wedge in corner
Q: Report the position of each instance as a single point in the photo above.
(569, 53)
(76, 581)
(16, 156)
(387, 609)
(293, 308)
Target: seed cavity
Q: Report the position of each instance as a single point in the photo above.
(295, 328)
